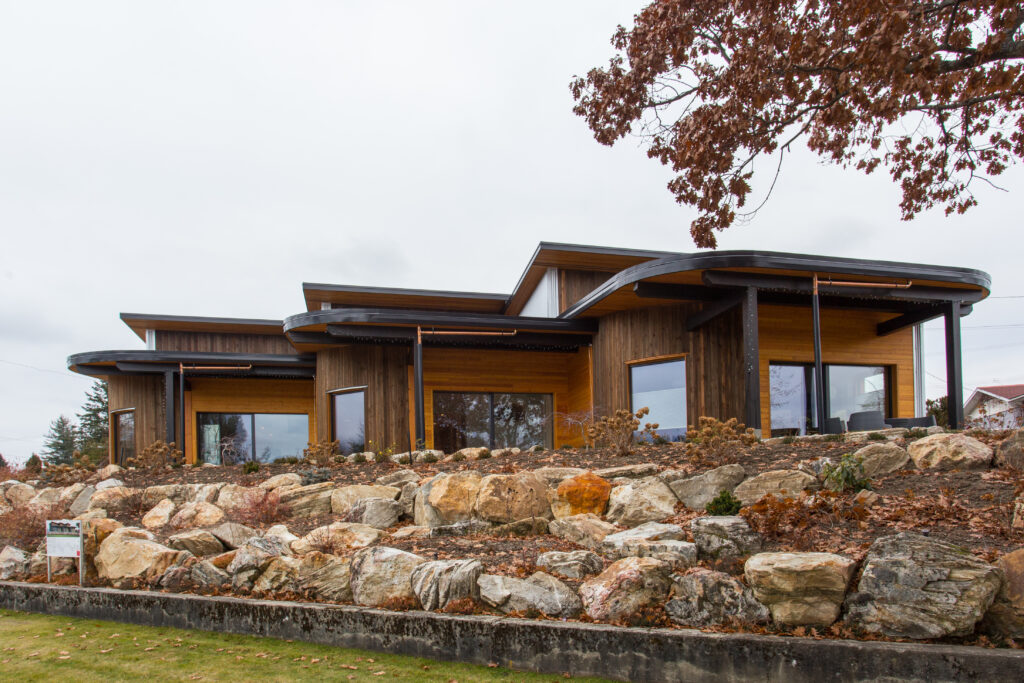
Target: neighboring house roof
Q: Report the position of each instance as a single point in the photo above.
(1008, 393)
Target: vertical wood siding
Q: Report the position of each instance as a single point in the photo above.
(573, 285)
(145, 395)
(222, 343)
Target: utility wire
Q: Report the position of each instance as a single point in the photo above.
(65, 373)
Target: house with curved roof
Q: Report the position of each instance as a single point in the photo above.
(781, 341)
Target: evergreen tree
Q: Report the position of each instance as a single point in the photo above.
(3, 463)
(59, 444)
(33, 464)
(93, 423)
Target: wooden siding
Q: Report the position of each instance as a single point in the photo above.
(573, 285)
(222, 343)
(145, 395)
(216, 395)
(714, 363)
(565, 375)
(383, 371)
(847, 336)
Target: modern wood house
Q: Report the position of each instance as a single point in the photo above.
(780, 341)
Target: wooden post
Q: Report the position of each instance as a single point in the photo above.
(169, 405)
(417, 369)
(954, 367)
(819, 374)
(751, 360)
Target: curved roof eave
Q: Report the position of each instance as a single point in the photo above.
(772, 260)
(427, 318)
(157, 357)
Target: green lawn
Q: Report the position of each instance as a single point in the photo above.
(35, 647)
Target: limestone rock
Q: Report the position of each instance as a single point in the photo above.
(696, 492)
(69, 493)
(651, 531)
(82, 501)
(197, 542)
(231, 497)
(330, 581)
(281, 480)
(398, 479)
(112, 500)
(645, 500)
(1010, 452)
(440, 582)
(233, 535)
(553, 476)
(411, 532)
(380, 513)
(345, 497)
(470, 527)
(1005, 618)
(337, 537)
(280, 537)
(248, 563)
(14, 563)
(179, 494)
(587, 530)
(539, 593)
(950, 451)
(280, 574)
(506, 498)
(779, 483)
(207, 575)
(534, 526)
(639, 471)
(571, 565)
(109, 484)
(208, 493)
(19, 494)
(702, 597)
(134, 553)
(108, 472)
(382, 574)
(626, 587)
(724, 537)
(582, 494)
(880, 459)
(94, 532)
(913, 586)
(407, 499)
(160, 515)
(45, 498)
(800, 588)
(196, 515)
(307, 501)
(473, 453)
(447, 498)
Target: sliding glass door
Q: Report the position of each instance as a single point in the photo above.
(232, 438)
(493, 420)
(848, 389)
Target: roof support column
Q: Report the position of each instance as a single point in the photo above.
(751, 360)
(417, 371)
(819, 372)
(954, 367)
(169, 405)
(181, 413)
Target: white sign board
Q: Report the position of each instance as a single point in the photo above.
(63, 538)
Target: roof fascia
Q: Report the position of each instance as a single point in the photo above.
(391, 316)
(129, 319)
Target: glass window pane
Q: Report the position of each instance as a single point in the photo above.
(461, 420)
(661, 387)
(349, 413)
(522, 420)
(224, 438)
(855, 388)
(792, 399)
(124, 440)
(280, 436)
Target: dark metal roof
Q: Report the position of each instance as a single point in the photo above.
(379, 316)
(106, 362)
(140, 322)
(441, 293)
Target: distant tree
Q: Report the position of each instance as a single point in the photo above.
(939, 408)
(3, 463)
(33, 464)
(60, 443)
(930, 90)
(94, 423)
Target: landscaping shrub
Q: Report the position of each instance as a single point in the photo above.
(619, 430)
(915, 433)
(876, 436)
(25, 526)
(290, 460)
(724, 504)
(320, 454)
(458, 457)
(846, 475)
(359, 458)
(314, 475)
(323, 541)
(260, 510)
(834, 438)
(157, 454)
(430, 458)
(33, 465)
(788, 439)
(380, 457)
(484, 454)
(715, 442)
(63, 475)
(251, 467)
(404, 460)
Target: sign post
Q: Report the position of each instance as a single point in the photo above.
(64, 539)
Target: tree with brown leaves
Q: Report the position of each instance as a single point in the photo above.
(932, 91)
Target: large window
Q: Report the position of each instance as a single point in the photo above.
(848, 389)
(124, 436)
(232, 438)
(348, 420)
(660, 386)
(463, 419)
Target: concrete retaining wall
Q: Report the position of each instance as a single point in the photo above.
(542, 646)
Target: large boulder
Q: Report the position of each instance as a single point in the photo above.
(233, 498)
(724, 537)
(576, 564)
(177, 493)
(345, 497)
(696, 492)
(660, 541)
(407, 499)
(1005, 618)
(247, 564)
(208, 493)
(114, 500)
(287, 574)
(132, 553)
(540, 593)
(306, 501)
(646, 500)
(381, 575)
(440, 582)
(45, 498)
(337, 538)
(281, 480)
(160, 515)
(107, 472)
(81, 502)
(702, 597)
(625, 588)
(197, 542)
(331, 581)
(638, 471)
(109, 484)
(205, 574)
(950, 451)
(505, 498)
(14, 563)
(19, 494)
(94, 532)
(554, 476)
(913, 586)
(233, 535)
(380, 513)
(779, 483)
(398, 479)
(584, 493)
(800, 589)
(447, 498)
(1010, 452)
(280, 537)
(880, 459)
(68, 494)
(587, 530)
(196, 515)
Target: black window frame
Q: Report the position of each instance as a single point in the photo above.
(330, 401)
(490, 411)
(115, 433)
(887, 371)
(252, 429)
(658, 360)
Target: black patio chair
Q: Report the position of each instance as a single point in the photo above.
(867, 421)
(911, 422)
(834, 425)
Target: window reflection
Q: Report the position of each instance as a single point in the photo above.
(233, 438)
(348, 411)
(661, 387)
(493, 420)
(848, 389)
(792, 399)
(124, 436)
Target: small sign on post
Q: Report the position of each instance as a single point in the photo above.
(64, 539)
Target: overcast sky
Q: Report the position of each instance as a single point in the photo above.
(207, 158)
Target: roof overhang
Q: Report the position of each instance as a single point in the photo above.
(143, 362)
(140, 322)
(392, 297)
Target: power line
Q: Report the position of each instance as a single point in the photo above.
(64, 373)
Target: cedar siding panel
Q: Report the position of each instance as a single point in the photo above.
(222, 343)
(145, 395)
(573, 285)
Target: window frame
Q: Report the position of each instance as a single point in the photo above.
(888, 372)
(115, 433)
(252, 428)
(656, 360)
(331, 393)
(550, 395)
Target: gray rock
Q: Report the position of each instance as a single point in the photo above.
(233, 535)
(380, 513)
(407, 499)
(109, 484)
(382, 574)
(702, 597)
(540, 593)
(205, 574)
(468, 528)
(398, 479)
(800, 589)
(626, 587)
(271, 544)
(307, 501)
(333, 581)
(913, 586)
(587, 529)
(644, 500)
(724, 537)
(571, 565)
(779, 483)
(880, 459)
(197, 542)
(629, 471)
(696, 492)
(440, 582)
(651, 531)
(14, 563)
(247, 565)
(1010, 452)
(534, 526)
(81, 502)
